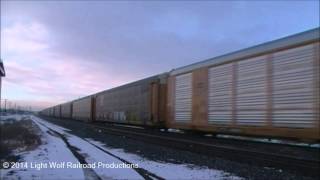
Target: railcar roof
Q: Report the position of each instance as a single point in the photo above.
(124, 86)
(135, 83)
(300, 38)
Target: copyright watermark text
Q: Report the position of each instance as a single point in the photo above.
(64, 165)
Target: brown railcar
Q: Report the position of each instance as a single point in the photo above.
(57, 111)
(268, 90)
(140, 103)
(51, 112)
(44, 112)
(82, 109)
(66, 110)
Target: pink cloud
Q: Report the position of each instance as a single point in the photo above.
(21, 38)
(50, 76)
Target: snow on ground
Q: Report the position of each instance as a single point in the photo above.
(55, 150)
(175, 130)
(94, 155)
(274, 141)
(11, 116)
(166, 170)
(53, 126)
(130, 126)
(52, 150)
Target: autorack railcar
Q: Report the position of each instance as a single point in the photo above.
(66, 110)
(83, 109)
(57, 111)
(45, 112)
(51, 112)
(269, 90)
(141, 103)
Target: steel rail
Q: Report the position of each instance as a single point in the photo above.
(308, 167)
(299, 165)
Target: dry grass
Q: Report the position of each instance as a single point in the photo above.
(17, 136)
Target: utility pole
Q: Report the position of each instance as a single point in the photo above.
(5, 105)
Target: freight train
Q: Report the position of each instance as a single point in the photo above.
(269, 90)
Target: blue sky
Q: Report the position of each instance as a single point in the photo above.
(55, 51)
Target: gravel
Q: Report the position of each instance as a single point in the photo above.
(164, 154)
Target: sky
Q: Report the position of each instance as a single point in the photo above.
(57, 51)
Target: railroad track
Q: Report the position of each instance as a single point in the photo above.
(147, 175)
(309, 167)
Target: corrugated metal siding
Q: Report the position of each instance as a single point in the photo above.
(57, 111)
(293, 87)
(220, 94)
(289, 84)
(251, 92)
(299, 38)
(82, 109)
(47, 112)
(183, 98)
(66, 110)
(51, 111)
(127, 104)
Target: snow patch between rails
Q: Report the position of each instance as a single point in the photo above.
(165, 170)
(53, 126)
(56, 150)
(175, 130)
(130, 126)
(168, 170)
(93, 155)
(271, 141)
